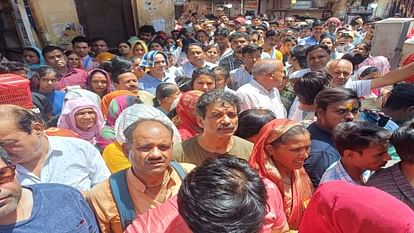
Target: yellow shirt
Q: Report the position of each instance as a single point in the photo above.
(114, 158)
(102, 203)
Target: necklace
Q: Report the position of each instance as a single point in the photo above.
(164, 180)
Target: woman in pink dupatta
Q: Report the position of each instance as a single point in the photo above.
(186, 120)
(279, 155)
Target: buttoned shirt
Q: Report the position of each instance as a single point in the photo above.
(70, 161)
(149, 83)
(239, 77)
(254, 95)
(337, 172)
(310, 40)
(74, 77)
(187, 69)
(230, 62)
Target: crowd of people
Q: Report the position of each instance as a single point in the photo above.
(244, 125)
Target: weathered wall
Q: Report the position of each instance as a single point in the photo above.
(159, 13)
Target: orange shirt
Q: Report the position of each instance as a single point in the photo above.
(102, 203)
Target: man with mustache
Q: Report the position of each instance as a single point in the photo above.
(196, 59)
(150, 181)
(217, 116)
(233, 61)
(363, 148)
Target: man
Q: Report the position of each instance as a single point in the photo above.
(30, 208)
(333, 106)
(397, 180)
(99, 45)
(289, 21)
(363, 148)
(156, 63)
(261, 91)
(341, 70)
(203, 207)
(196, 59)
(399, 103)
(270, 44)
(150, 181)
(80, 45)
(250, 55)
(43, 159)
(221, 37)
(66, 75)
(123, 77)
(317, 30)
(317, 56)
(217, 116)
(233, 61)
(146, 32)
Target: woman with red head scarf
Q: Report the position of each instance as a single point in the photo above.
(186, 120)
(279, 155)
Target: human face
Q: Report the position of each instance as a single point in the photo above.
(145, 36)
(276, 78)
(327, 42)
(10, 190)
(124, 49)
(372, 158)
(30, 57)
(139, 50)
(127, 81)
(56, 59)
(253, 39)
(204, 83)
(220, 80)
(151, 150)
(317, 59)
(360, 49)
(73, 60)
(85, 119)
(288, 46)
(238, 43)
(249, 59)
(291, 155)
(21, 146)
(99, 46)
(337, 112)
(202, 37)
(289, 22)
(136, 69)
(170, 43)
(196, 56)
(156, 47)
(222, 41)
(220, 120)
(82, 49)
(160, 64)
(340, 73)
(272, 41)
(317, 31)
(47, 83)
(99, 83)
(212, 55)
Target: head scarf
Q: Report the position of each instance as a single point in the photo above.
(137, 112)
(339, 206)
(67, 119)
(186, 118)
(148, 58)
(33, 67)
(135, 42)
(334, 20)
(61, 132)
(107, 76)
(76, 93)
(263, 163)
(106, 100)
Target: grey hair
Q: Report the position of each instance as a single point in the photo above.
(264, 66)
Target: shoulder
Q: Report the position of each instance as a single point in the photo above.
(99, 192)
(55, 190)
(381, 176)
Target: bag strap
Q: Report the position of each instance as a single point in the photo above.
(123, 200)
(178, 168)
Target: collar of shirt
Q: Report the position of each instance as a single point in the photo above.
(139, 186)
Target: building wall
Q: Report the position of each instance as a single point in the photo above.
(159, 13)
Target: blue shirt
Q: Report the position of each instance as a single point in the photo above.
(322, 153)
(310, 40)
(337, 172)
(56, 99)
(56, 208)
(150, 83)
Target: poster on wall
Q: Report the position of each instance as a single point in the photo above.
(250, 5)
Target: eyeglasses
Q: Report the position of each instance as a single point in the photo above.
(7, 174)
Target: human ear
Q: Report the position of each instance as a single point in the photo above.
(200, 122)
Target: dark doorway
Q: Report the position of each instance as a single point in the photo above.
(112, 20)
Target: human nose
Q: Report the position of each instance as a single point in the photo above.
(349, 116)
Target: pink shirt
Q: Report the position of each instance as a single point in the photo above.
(74, 77)
(166, 219)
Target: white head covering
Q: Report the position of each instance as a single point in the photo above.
(78, 92)
(138, 112)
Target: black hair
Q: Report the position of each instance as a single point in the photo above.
(160, 42)
(272, 33)
(317, 23)
(251, 48)
(402, 139)
(123, 42)
(38, 74)
(146, 29)
(223, 71)
(366, 46)
(252, 120)
(358, 135)
(289, 134)
(201, 71)
(317, 46)
(310, 85)
(164, 90)
(223, 195)
(326, 35)
(299, 53)
(50, 48)
(198, 44)
(401, 97)
(215, 96)
(222, 32)
(236, 35)
(80, 39)
(95, 39)
(120, 66)
(333, 95)
(290, 39)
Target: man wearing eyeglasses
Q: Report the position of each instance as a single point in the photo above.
(40, 207)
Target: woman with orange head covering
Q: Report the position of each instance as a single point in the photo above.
(186, 120)
(279, 155)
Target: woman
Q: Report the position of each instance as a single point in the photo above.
(251, 121)
(82, 116)
(212, 53)
(203, 80)
(278, 155)
(99, 81)
(44, 82)
(33, 59)
(139, 48)
(361, 57)
(124, 48)
(165, 95)
(156, 45)
(186, 120)
(74, 60)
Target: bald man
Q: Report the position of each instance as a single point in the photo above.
(45, 159)
(261, 92)
(341, 70)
